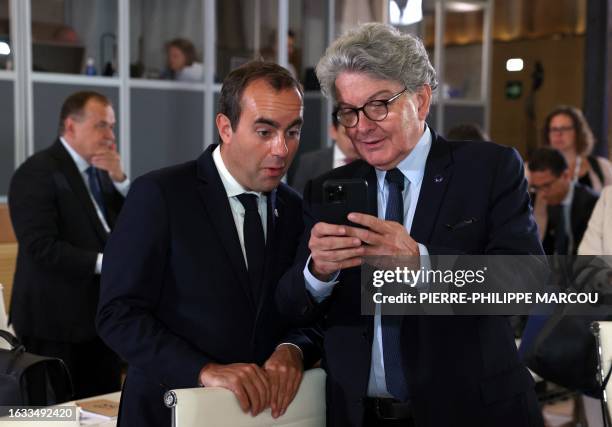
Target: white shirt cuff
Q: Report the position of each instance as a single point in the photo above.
(423, 250)
(318, 289)
(99, 264)
(123, 187)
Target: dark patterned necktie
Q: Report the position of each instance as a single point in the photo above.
(96, 189)
(394, 372)
(254, 242)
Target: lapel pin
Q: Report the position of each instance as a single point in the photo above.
(276, 212)
(438, 179)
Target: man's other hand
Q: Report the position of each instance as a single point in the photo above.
(285, 369)
(247, 381)
(109, 161)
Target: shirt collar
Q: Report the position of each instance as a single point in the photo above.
(79, 161)
(338, 154)
(413, 165)
(232, 187)
(569, 196)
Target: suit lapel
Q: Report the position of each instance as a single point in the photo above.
(70, 171)
(109, 193)
(438, 171)
(328, 159)
(215, 201)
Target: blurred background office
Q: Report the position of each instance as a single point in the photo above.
(502, 65)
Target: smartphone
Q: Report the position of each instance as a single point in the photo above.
(342, 196)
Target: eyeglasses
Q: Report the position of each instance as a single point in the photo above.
(543, 187)
(375, 110)
(560, 129)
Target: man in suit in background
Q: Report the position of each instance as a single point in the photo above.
(569, 204)
(190, 272)
(429, 196)
(315, 163)
(63, 203)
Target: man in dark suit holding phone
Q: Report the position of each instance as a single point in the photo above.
(429, 196)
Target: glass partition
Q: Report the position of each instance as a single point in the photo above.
(6, 57)
(166, 40)
(246, 29)
(463, 37)
(74, 37)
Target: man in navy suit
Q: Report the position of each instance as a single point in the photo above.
(64, 201)
(190, 272)
(429, 196)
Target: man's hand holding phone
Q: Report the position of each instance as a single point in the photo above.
(336, 247)
(332, 249)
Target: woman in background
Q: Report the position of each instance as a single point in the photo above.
(182, 65)
(566, 129)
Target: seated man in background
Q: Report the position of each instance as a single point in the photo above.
(63, 203)
(569, 203)
(315, 163)
(190, 272)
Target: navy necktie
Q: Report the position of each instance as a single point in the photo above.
(254, 242)
(394, 372)
(96, 189)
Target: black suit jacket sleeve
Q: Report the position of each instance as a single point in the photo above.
(131, 288)
(292, 297)
(34, 214)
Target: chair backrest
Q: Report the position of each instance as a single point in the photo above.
(603, 334)
(214, 406)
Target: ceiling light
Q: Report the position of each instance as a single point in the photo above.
(514, 64)
(460, 6)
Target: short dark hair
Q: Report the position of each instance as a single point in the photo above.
(186, 47)
(547, 158)
(584, 136)
(236, 82)
(73, 105)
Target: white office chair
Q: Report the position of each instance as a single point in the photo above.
(603, 335)
(214, 406)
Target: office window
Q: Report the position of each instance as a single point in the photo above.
(246, 30)
(166, 40)
(6, 57)
(74, 36)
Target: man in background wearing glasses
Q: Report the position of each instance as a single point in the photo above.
(569, 204)
(433, 196)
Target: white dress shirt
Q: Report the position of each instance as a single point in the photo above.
(413, 168)
(339, 157)
(82, 166)
(233, 189)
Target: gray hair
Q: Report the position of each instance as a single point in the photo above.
(380, 51)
